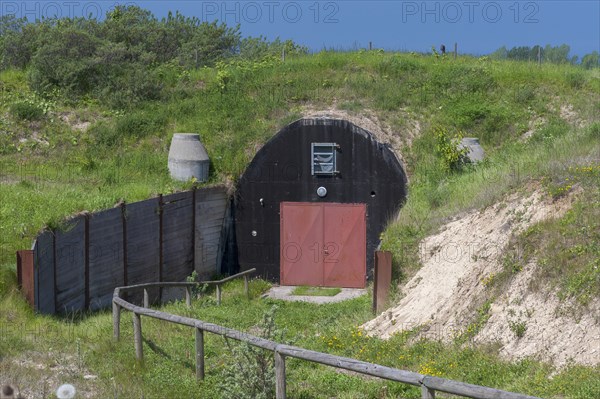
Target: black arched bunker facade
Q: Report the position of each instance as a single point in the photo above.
(311, 206)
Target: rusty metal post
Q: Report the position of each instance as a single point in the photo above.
(25, 275)
(382, 280)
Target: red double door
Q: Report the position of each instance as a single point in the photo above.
(323, 244)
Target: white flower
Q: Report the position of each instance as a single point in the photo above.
(65, 391)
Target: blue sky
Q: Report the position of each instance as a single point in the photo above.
(479, 27)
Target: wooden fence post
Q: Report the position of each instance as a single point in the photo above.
(427, 393)
(246, 286)
(279, 375)
(218, 294)
(188, 296)
(137, 336)
(199, 354)
(146, 299)
(116, 312)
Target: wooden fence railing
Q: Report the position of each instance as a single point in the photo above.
(187, 285)
(429, 385)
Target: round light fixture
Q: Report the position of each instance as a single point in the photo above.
(321, 191)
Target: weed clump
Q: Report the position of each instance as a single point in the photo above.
(252, 376)
(452, 155)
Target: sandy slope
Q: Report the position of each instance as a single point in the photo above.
(458, 262)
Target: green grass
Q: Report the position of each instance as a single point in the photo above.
(49, 169)
(433, 200)
(123, 154)
(316, 291)
(332, 328)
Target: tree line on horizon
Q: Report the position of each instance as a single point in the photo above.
(548, 53)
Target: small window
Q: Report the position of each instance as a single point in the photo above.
(324, 159)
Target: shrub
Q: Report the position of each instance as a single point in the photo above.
(252, 376)
(65, 62)
(518, 328)
(468, 111)
(128, 84)
(257, 48)
(104, 134)
(26, 110)
(140, 124)
(398, 67)
(452, 155)
(575, 80)
(524, 94)
(554, 129)
(459, 80)
(209, 43)
(595, 129)
(197, 290)
(29, 106)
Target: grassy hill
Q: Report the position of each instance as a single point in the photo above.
(536, 123)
